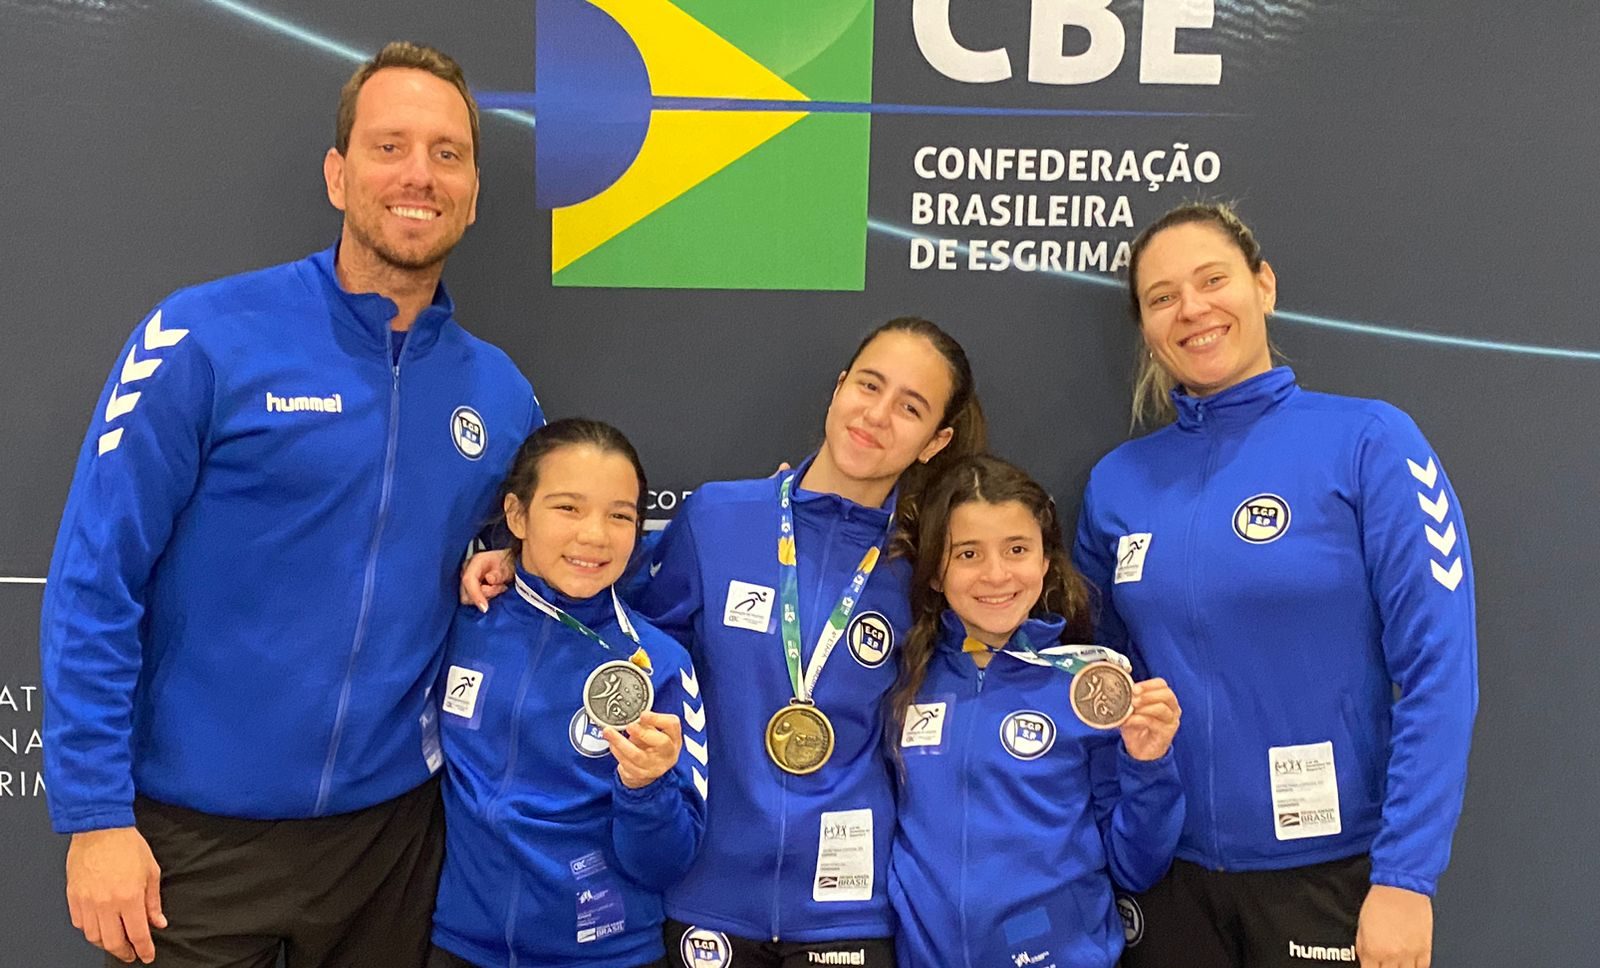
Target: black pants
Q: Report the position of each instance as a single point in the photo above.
(692, 947)
(1295, 918)
(347, 891)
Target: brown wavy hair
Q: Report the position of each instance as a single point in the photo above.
(989, 480)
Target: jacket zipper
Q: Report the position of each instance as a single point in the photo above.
(325, 789)
(966, 796)
(1200, 640)
(783, 784)
(512, 745)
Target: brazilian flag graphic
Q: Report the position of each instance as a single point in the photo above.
(706, 144)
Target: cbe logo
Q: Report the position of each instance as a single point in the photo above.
(1052, 22)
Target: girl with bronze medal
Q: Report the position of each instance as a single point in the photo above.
(1029, 765)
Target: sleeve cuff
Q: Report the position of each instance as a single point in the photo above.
(1394, 878)
(104, 818)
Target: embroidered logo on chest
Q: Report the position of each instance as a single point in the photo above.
(1261, 519)
(871, 639)
(468, 433)
(1027, 734)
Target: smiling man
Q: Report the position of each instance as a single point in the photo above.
(256, 566)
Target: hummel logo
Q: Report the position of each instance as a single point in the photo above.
(277, 404)
(1316, 952)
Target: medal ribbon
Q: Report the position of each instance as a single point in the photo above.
(789, 597)
(538, 601)
(1074, 664)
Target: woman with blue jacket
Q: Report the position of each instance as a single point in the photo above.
(1296, 565)
(569, 807)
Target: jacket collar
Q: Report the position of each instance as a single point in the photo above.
(1042, 632)
(1242, 403)
(595, 611)
(822, 503)
(371, 312)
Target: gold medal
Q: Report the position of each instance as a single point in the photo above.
(799, 738)
(1102, 695)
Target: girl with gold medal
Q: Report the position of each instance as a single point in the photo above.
(783, 592)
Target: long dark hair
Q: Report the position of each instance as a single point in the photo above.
(523, 478)
(990, 480)
(963, 414)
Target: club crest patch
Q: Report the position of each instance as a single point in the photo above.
(1027, 734)
(468, 433)
(704, 948)
(1132, 919)
(587, 738)
(1261, 519)
(871, 639)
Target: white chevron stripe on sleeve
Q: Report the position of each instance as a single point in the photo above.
(120, 404)
(696, 750)
(695, 716)
(691, 682)
(700, 784)
(109, 441)
(1445, 542)
(156, 338)
(135, 369)
(1448, 577)
(1427, 475)
(1435, 509)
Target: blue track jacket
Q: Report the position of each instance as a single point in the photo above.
(257, 563)
(1016, 818)
(715, 588)
(1296, 565)
(549, 859)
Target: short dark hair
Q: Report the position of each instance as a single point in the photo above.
(402, 53)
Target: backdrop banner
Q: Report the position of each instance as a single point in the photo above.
(693, 209)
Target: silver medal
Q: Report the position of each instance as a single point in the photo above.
(616, 693)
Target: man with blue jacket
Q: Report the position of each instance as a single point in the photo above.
(256, 565)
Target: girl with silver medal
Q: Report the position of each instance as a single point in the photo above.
(1035, 775)
(570, 802)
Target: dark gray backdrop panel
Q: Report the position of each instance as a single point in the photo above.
(1423, 166)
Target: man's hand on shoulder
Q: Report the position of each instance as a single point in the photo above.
(487, 574)
(114, 892)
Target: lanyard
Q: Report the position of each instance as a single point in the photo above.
(538, 601)
(1083, 656)
(789, 597)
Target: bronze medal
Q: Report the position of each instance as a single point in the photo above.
(616, 693)
(799, 738)
(1102, 695)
